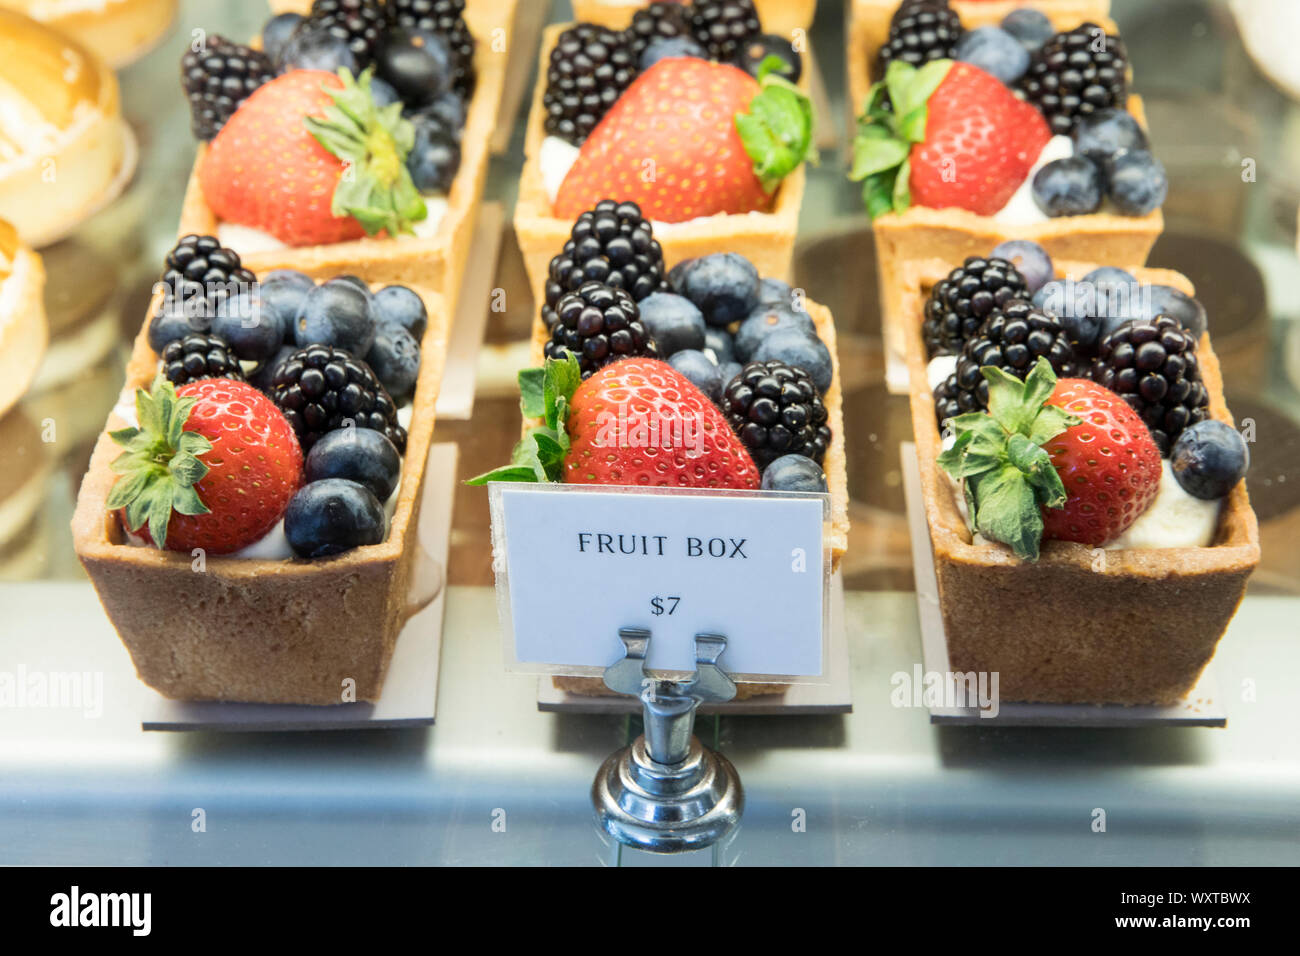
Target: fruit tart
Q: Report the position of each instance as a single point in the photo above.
(23, 331)
(1076, 459)
(709, 138)
(710, 343)
(249, 514)
(63, 144)
(120, 31)
(780, 17)
(350, 139)
(970, 137)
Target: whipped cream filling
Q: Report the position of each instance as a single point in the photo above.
(1021, 209)
(939, 368)
(246, 240)
(1174, 520)
(274, 545)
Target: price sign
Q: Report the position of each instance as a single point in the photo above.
(574, 564)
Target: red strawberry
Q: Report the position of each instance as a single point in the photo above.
(969, 143)
(980, 143)
(641, 422)
(1109, 464)
(211, 465)
(691, 138)
(278, 164)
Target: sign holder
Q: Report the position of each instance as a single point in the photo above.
(666, 792)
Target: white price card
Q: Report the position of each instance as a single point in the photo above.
(575, 563)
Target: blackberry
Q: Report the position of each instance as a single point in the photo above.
(589, 69)
(200, 276)
(447, 19)
(776, 410)
(598, 324)
(1151, 364)
(199, 356)
(217, 80)
(1068, 79)
(919, 33)
(656, 22)
(612, 244)
(959, 304)
(1012, 338)
(724, 27)
(359, 23)
(950, 401)
(321, 388)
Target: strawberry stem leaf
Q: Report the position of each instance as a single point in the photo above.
(376, 188)
(160, 464)
(1007, 475)
(777, 132)
(893, 118)
(545, 394)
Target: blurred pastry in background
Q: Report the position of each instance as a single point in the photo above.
(23, 330)
(120, 31)
(64, 148)
(24, 535)
(82, 373)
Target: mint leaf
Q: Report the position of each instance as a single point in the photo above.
(520, 473)
(532, 392)
(920, 86)
(562, 378)
(777, 132)
(1051, 421)
(901, 198)
(875, 151)
(1008, 511)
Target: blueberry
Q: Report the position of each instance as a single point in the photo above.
(1114, 292)
(336, 313)
(417, 62)
(727, 371)
(168, 325)
(395, 359)
(721, 344)
(775, 291)
(363, 455)
(282, 292)
(1030, 259)
(263, 377)
(402, 306)
(435, 158)
(800, 350)
(1030, 27)
(673, 322)
(276, 34)
(331, 516)
(794, 473)
(1136, 182)
(1166, 300)
(315, 48)
(382, 92)
(994, 51)
(704, 375)
(1068, 187)
(1208, 459)
(1074, 303)
(754, 52)
(448, 109)
(769, 320)
(677, 275)
(250, 334)
(1107, 133)
(357, 281)
(724, 285)
(667, 47)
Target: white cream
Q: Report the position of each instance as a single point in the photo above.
(555, 158)
(246, 239)
(1021, 209)
(940, 367)
(1174, 520)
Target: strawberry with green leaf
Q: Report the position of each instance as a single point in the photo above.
(311, 159)
(634, 422)
(211, 465)
(691, 138)
(947, 134)
(1068, 460)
